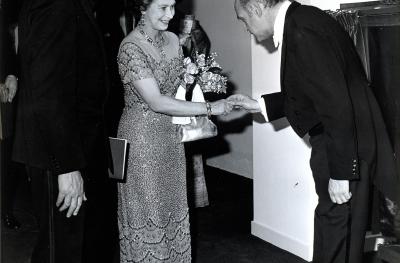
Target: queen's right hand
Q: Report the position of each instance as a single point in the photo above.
(245, 102)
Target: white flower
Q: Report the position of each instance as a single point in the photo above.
(216, 78)
(206, 76)
(189, 79)
(191, 68)
(214, 64)
(201, 60)
(187, 61)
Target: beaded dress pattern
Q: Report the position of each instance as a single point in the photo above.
(153, 214)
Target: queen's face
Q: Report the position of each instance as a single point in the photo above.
(159, 13)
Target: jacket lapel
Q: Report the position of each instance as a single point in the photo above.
(23, 23)
(290, 10)
(87, 8)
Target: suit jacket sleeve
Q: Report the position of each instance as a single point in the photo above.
(274, 105)
(11, 67)
(8, 51)
(53, 76)
(7, 110)
(323, 67)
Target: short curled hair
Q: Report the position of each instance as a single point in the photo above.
(268, 3)
(137, 6)
(144, 4)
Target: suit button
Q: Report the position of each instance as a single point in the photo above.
(297, 113)
(292, 98)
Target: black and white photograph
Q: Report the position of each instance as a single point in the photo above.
(199, 131)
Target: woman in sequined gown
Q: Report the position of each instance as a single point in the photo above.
(152, 206)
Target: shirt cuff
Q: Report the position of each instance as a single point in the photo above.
(263, 108)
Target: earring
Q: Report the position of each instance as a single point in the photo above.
(141, 21)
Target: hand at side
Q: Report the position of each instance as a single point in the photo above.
(70, 192)
(11, 84)
(339, 191)
(3, 93)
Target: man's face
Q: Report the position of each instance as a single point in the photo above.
(160, 12)
(254, 21)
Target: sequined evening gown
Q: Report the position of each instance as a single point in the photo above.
(152, 204)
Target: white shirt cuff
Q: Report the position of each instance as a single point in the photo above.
(263, 108)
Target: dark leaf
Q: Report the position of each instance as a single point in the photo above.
(215, 70)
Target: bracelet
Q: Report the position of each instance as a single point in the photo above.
(209, 111)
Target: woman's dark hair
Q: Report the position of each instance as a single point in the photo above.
(135, 8)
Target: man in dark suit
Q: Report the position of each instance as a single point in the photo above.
(8, 89)
(60, 130)
(325, 93)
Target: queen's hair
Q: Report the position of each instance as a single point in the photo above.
(144, 4)
(137, 6)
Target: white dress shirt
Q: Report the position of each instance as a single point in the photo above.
(279, 26)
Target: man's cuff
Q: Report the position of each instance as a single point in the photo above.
(263, 108)
(11, 76)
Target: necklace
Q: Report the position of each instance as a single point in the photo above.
(157, 44)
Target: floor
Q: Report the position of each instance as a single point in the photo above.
(220, 232)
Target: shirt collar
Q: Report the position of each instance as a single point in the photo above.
(280, 23)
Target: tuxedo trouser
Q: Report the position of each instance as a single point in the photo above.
(10, 176)
(60, 239)
(339, 230)
(101, 240)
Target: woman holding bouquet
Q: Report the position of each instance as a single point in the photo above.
(153, 210)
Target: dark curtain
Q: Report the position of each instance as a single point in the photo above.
(384, 57)
(377, 39)
(384, 54)
(350, 20)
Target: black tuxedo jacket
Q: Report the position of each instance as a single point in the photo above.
(323, 82)
(8, 66)
(63, 87)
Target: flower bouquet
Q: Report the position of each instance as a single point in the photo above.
(205, 72)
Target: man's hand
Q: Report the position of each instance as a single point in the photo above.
(70, 190)
(221, 107)
(243, 101)
(339, 191)
(3, 93)
(11, 84)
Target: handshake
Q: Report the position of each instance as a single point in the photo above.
(237, 102)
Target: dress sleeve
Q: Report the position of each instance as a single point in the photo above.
(133, 64)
